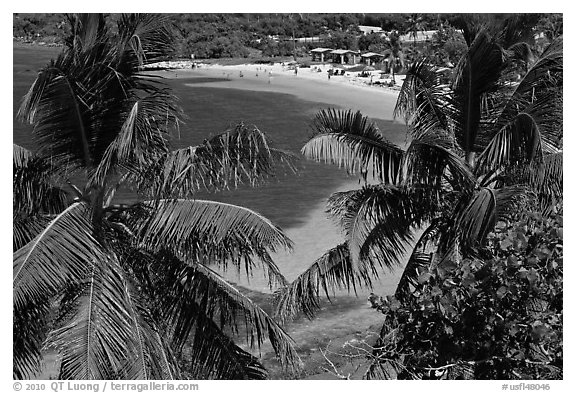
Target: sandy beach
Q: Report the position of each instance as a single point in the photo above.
(350, 91)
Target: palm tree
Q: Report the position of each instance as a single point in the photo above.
(480, 149)
(393, 53)
(414, 24)
(120, 289)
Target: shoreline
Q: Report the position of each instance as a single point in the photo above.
(350, 92)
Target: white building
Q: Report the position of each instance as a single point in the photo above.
(370, 29)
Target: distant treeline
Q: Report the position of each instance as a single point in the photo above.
(254, 35)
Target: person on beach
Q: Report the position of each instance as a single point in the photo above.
(295, 70)
(270, 77)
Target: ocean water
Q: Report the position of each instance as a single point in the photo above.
(295, 202)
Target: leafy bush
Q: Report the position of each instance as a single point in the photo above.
(497, 317)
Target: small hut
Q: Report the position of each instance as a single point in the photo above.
(372, 58)
(343, 56)
(319, 54)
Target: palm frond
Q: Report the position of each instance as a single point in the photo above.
(213, 233)
(419, 260)
(62, 253)
(151, 356)
(33, 190)
(216, 356)
(423, 100)
(535, 129)
(331, 271)
(432, 158)
(21, 156)
(477, 74)
(240, 155)
(547, 174)
(88, 30)
(147, 36)
(351, 141)
(143, 136)
(25, 228)
(79, 103)
(377, 220)
(57, 110)
(29, 332)
(542, 73)
(483, 210)
(95, 342)
(192, 285)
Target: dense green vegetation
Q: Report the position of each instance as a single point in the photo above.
(254, 35)
(485, 148)
(498, 317)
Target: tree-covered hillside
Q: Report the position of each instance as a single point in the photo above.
(253, 35)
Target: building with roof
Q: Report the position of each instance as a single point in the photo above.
(370, 29)
(320, 54)
(371, 58)
(418, 38)
(343, 56)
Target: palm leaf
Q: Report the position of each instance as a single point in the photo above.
(377, 221)
(541, 73)
(419, 260)
(87, 30)
(216, 356)
(213, 232)
(483, 210)
(26, 228)
(196, 289)
(240, 155)
(21, 156)
(57, 110)
(80, 102)
(151, 356)
(534, 130)
(432, 158)
(423, 101)
(95, 343)
(546, 176)
(477, 74)
(33, 190)
(29, 332)
(351, 141)
(142, 137)
(331, 271)
(147, 36)
(62, 253)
